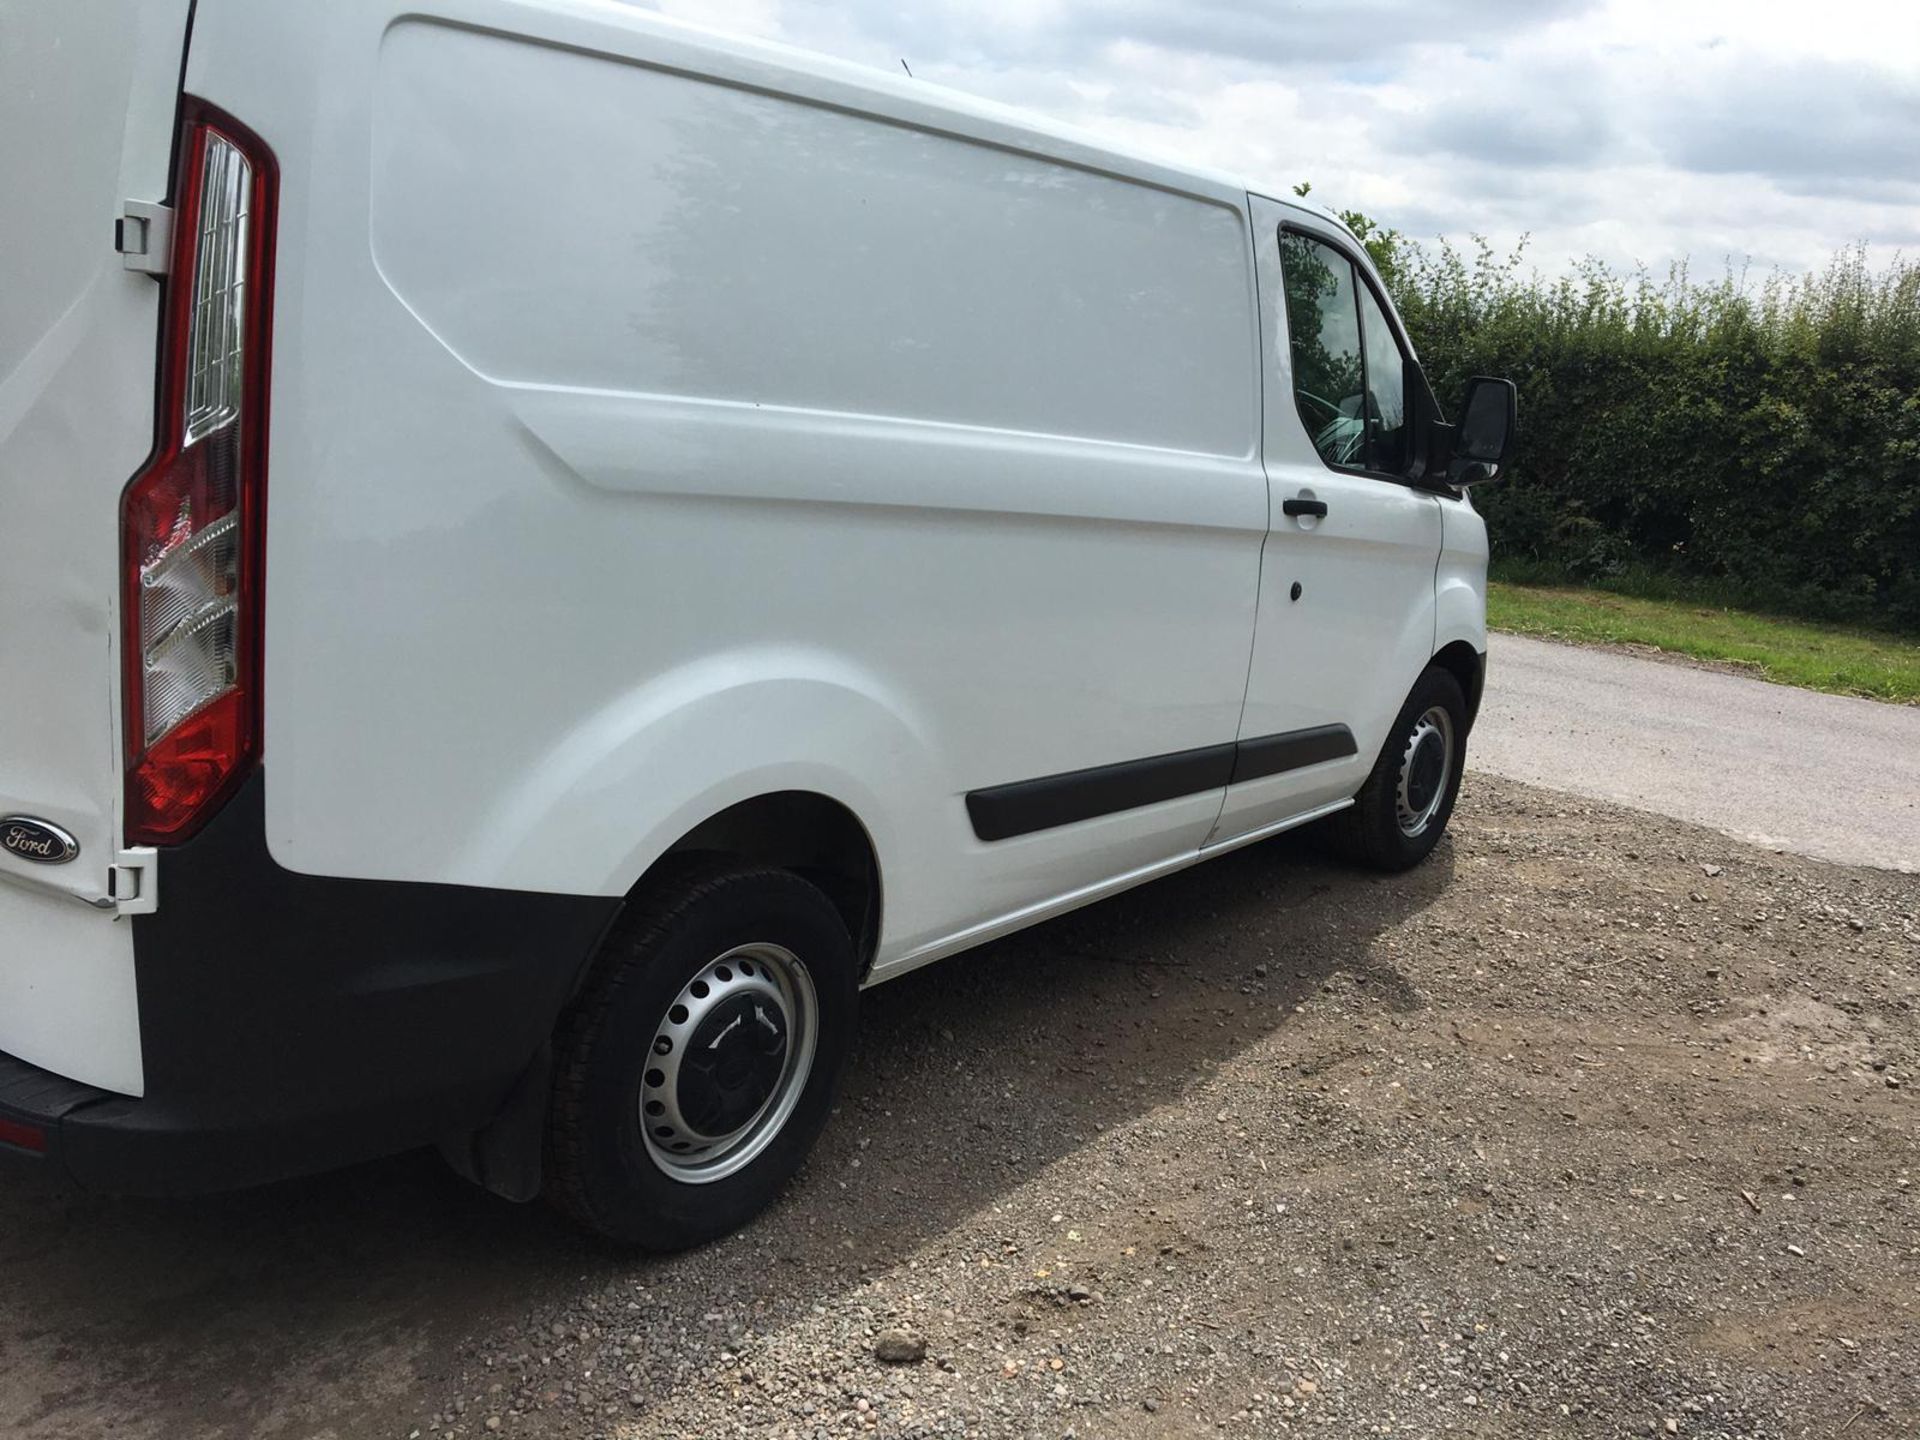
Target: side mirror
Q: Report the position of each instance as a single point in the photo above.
(1485, 432)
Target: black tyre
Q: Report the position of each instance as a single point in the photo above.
(1402, 811)
(697, 1067)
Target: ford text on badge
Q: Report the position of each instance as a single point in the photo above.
(37, 841)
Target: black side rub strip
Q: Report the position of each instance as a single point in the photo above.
(1025, 806)
(1274, 754)
(1029, 805)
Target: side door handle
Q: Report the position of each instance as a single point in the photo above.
(1297, 506)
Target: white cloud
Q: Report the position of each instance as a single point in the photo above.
(1642, 131)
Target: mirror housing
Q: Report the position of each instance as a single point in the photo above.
(1484, 437)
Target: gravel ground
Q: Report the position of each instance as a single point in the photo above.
(1598, 1124)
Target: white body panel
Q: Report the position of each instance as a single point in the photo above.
(643, 442)
(67, 997)
(1460, 582)
(660, 421)
(87, 97)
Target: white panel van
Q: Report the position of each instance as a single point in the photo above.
(544, 550)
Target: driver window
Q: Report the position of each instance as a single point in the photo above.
(1323, 333)
(1349, 375)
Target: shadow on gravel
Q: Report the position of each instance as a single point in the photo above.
(297, 1304)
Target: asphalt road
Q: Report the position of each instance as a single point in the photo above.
(1822, 775)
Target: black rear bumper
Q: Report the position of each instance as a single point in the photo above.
(292, 1023)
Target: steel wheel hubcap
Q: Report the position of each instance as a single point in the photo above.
(1426, 766)
(729, 1061)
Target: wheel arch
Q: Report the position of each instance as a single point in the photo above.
(815, 836)
(1469, 667)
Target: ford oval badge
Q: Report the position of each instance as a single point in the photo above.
(36, 840)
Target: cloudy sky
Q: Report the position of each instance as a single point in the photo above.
(1636, 130)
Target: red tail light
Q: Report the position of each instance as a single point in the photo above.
(191, 523)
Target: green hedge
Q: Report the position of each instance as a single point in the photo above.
(1760, 441)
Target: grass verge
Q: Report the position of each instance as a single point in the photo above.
(1840, 659)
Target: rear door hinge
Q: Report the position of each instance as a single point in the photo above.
(134, 882)
(143, 234)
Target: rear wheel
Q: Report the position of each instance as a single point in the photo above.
(698, 1065)
(1402, 810)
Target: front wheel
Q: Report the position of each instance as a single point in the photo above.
(1402, 810)
(698, 1065)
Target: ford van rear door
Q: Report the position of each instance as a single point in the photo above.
(88, 97)
(88, 94)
